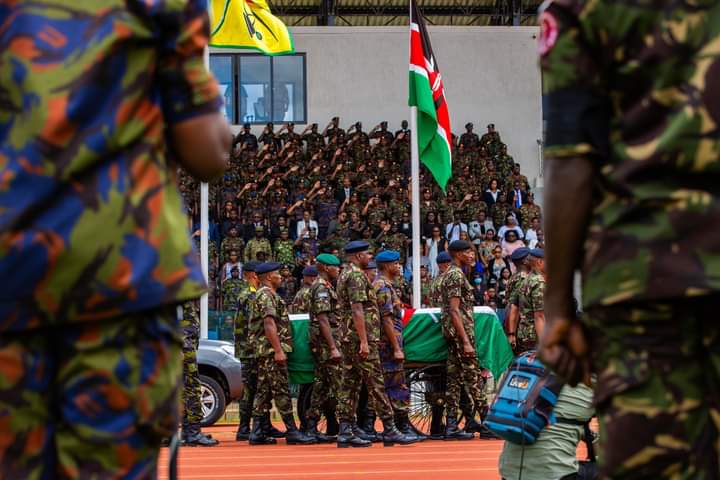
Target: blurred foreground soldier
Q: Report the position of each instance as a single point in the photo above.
(92, 231)
(325, 335)
(463, 371)
(301, 302)
(391, 346)
(273, 343)
(192, 409)
(361, 357)
(632, 144)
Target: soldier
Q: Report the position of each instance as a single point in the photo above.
(284, 252)
(632, 142)
(370, 271)
(470, 141)
(517, 177)
(289, 136)
(246, 138)
(243, 351)
(528, 211)
(268, 137)
(314, 141)
(391, 346)
(361, 358)
(512, 293)
(443, 261)
(301, 302)
(257, 245)
(192, 410)
(273, 341)
(500, 210)
(325, 336)
(530, 305)
(459, 329)
(333, 130)
(231, 290)
(490, 140)
(402, 144)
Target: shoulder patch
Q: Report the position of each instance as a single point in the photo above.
(549, 32)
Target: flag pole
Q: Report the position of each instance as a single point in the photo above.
(415, 189)
(204, 228)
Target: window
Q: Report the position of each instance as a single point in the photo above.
(260, 89)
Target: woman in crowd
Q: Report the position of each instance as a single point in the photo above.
(492, 192)
(232, 262)
(433, 246)
(511, 243)
(430, 223)
(487, 246)
(497, 263)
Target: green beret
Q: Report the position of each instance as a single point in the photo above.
(328, 259)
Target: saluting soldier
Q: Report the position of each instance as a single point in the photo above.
(532, 314)
(301, 302)
(459, 329)
(269, 319)
(325, 338)
(358, 306)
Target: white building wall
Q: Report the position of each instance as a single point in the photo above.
(491, 75)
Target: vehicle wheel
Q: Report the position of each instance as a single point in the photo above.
(212, 400)
(427, 400)
(328, 423)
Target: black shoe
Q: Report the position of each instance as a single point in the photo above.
(198, 440)
(487, 434)
(360, 433)
(243, 432)
(258, 435)
(452, 432)
(271, 431)
(294, 436)
(345, 437)
(312, 431)
(402, 422)
(391, 435)
(472, 425)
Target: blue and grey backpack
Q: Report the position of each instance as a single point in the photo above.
(525, 400)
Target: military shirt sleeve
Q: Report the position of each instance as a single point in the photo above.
(357, 287)
(265, 306)
(384, 298)
(536, 294)
(188, 89)
(320, 301)
(514, 291)
(452, 284)
(578, 108)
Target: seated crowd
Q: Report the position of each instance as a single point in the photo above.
(290, 196)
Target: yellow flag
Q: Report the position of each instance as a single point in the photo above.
(248, 24)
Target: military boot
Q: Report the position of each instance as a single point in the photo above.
(293, 436)
(271, 431)
(472, 425)
(391, 435)
(452, 432)
(312, 431)
(243, 432)
(360, 433)
(368, 427)
(346, 438)
(258, 435)
(402, 422)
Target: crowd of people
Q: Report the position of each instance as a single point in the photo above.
(289, 196)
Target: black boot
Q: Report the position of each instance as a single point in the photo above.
(361, 433)
(402, 422)
(452, 432)
(271, 431)
(346, 438)
(391, 435)
(243, 432)
(312, 431)
(368, 428)
(471, 425)
(258, 435)
(198, 439)
(293, 436)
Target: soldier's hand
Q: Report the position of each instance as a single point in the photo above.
(335, 355)
(468, 350)
(364, 350)
(563, 347)
(399, 356)
(512, 339)
(280, 358)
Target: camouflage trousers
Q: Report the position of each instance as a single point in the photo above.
(272, 384)
(91, 399)
(326, 386)
(192, 410)
(658, 388)
(357, 371)
(463, 374)
(250, 374)
(526, 337)
(397, 391)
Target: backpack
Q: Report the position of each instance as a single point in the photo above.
(525, 400)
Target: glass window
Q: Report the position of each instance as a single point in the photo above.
(255, 91)
(288, 89)
(221, 66)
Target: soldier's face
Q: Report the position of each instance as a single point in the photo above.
(363, 259)
(274, 278)
(332, 271)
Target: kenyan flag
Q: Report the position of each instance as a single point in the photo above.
(428, 95)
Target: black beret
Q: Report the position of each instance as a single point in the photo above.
(267, 267)
(357, 246)
(251, 266)
(459, 246)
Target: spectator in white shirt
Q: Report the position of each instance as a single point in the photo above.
(478, 227)
(452, 230)
(538, 242)
(511, 223)
(531, 233)
(305, 225)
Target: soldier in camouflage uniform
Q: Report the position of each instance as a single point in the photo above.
(528, 211)
(231, 290)
(463, 371)
(357, 304)
(270, 328)
(232, 242)
(93, 242)
(402, 144)
(192, 410)
(258, 244)
(512, 293)
(470, 142)
(314, 141)
(443, 261)
(530, 304)
(632, 139)
(301, 302)
(283, 249)
(325, 337)
(499, 211)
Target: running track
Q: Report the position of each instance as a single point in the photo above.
(430, 460)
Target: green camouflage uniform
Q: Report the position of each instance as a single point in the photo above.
(256, 245)
(633, 87)
(244, 349)
(354, 287)
(228, 245)
(498, 212)
(462, 372)
(530, 300)
(272, 382)
(192, 410)
(434, 295)
(527, 212)
(328, 375)
(301, 302)
(230, 292)
(284, 252)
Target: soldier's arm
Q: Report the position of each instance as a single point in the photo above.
(325, 331)
(358, 318)
(389, 330)
(456, 318)
(272, 335)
